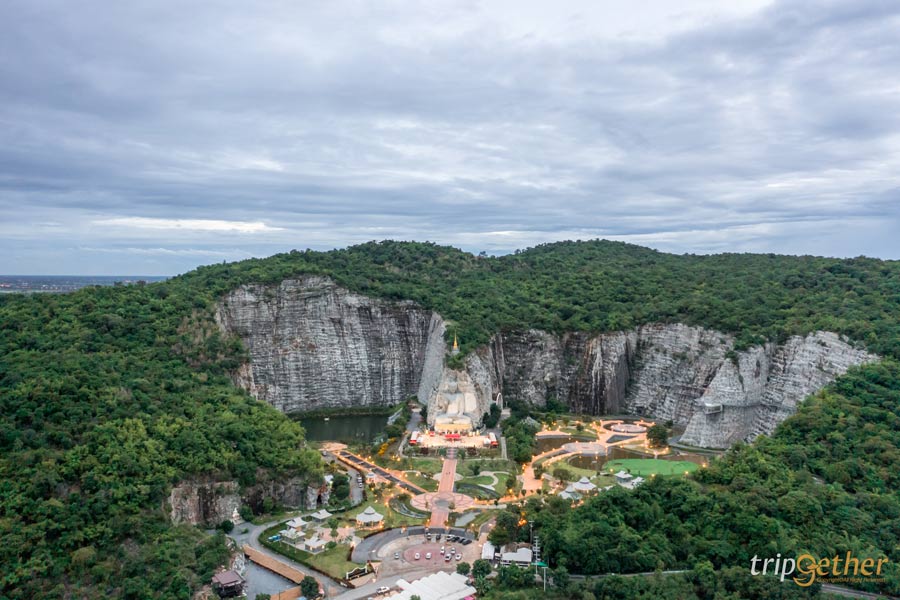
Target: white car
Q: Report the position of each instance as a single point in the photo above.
(417, 556)
(383, 590)
(459, 557)
(428, 556)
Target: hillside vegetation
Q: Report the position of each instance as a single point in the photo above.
(607, 286)
(108, 396)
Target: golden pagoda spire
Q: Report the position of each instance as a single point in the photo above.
(455, 345)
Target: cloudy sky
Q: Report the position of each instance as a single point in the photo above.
(147, 137)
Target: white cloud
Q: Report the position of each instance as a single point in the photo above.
(213, 225)
(230, 254)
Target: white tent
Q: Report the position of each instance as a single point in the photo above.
(584, 485)
(369, 517)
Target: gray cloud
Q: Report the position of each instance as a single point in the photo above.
(491, 126)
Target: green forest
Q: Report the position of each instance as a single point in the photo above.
(606, 286)
(110, 396)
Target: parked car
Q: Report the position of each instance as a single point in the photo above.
(396, 555)
(428, 556)
(447, 558)
(416, 556)
(459, 557)
(466, 542)
(437, 537)
(383, 590)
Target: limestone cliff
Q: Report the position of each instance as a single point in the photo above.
(313, 344)
(208, 502)
(689, 375)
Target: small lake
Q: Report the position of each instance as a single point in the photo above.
(346, 428)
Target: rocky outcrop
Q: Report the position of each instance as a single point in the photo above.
(689, 375)
(313, 344)
(209, 502)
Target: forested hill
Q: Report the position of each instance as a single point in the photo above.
(606, 286)
(109, 396)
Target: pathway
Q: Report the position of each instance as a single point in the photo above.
(357, 462)
(440, 510)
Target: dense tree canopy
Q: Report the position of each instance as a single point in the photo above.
(109, 396)
(607, 286)
(824, 483)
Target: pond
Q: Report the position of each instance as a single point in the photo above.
(345, 428)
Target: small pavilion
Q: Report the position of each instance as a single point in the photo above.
(369, 518)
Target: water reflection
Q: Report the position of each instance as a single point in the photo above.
(347, 428)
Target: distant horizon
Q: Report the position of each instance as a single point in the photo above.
(472, 252)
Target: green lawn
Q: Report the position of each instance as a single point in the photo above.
(479, 480)
(487, 464)
(391, 517)
(650, 466)
(423, 481)
(425, 465)
(333, 561)
(481, 519)
(585, 434)
(578, 472)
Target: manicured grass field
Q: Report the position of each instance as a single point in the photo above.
(423, 481)
(480, 480)
(650, 466)
(333, 561)
(425, 465)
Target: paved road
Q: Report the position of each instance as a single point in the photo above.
(251, 538)
(414, 419)
(362, 463)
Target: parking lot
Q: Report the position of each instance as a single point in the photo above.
(399, 555)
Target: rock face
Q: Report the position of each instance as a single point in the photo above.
(209, 502)
(689, 375)
(315, 345)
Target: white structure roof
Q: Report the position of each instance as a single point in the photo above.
(522, 555)
(439, 586)
(583, 485)
(297, 523)
(623, 475)
(315, 542)
(321, 515)
(487, 551)
(370, 515)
